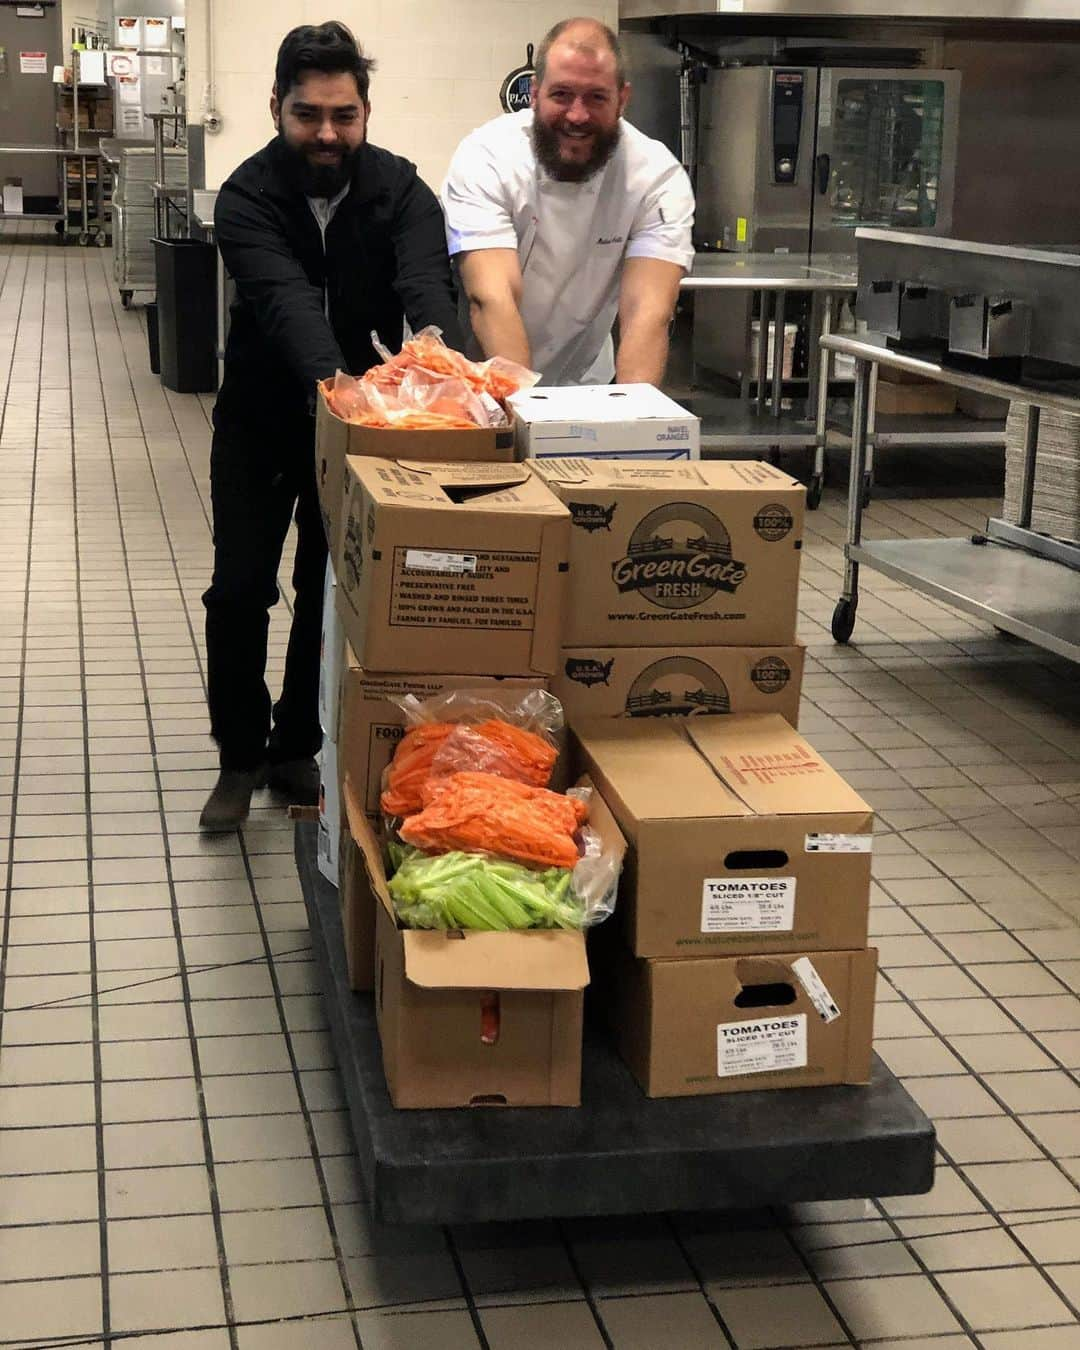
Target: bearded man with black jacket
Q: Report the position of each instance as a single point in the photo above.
(327, 238)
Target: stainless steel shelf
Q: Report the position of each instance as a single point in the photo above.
(1028, 596)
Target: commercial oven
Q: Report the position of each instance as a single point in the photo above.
(795, 158)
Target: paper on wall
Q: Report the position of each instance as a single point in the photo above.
(92, 67)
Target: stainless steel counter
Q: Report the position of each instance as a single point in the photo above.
(772, 272)
(1020, 581)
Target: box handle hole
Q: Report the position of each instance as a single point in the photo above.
(765, 996)
(488, 1099)
(747, 859)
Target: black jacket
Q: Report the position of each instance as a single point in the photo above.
(385, 259)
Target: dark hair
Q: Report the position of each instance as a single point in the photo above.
(326, 47)
(600, 32)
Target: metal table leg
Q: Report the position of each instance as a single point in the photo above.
(779, 311)
(871, 436)
(821, 319)
(843, 620)
(763, 351)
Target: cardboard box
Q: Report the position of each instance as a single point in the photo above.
(680, 555)
(914, 395)
(477, 1019)
(740, 1024)
(329, 836)
(659, 682)
(335, 440)
(357, 897)
(372, 723)
(605, 421)
(461, 566)
(741, 838)
(331, 658)
(13, 197)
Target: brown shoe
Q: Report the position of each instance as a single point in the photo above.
(228, 805)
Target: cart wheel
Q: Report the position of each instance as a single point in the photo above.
(84, 238)
(125, 298)
(843, 619)
(867, 489)
(58, 226)
(813, 492)
(100, 239)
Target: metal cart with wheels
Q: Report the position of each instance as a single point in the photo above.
(1023, 583)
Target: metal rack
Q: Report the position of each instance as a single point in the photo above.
(62, 154)
(1021, 582)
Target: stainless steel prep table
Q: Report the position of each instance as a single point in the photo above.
(1022, 582)
(772, 276)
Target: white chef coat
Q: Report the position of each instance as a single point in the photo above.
(571, 238)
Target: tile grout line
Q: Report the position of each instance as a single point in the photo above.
(204, 1123)
(95, 1027)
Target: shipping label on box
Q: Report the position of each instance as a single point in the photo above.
(683, 555)
(657, 682)
(742, 839)
(372, 721)
(335, 440)
(456, 565)
(739, 1024)
(605, 422)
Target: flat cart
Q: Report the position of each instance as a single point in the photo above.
(1021, 582)
(618, 1153)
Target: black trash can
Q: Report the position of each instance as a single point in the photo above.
(186, 272)
(152, 339)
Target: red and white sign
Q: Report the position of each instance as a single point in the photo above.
(33, 63)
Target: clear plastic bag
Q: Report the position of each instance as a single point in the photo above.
(512, 733)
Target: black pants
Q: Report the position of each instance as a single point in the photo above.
(253, 503)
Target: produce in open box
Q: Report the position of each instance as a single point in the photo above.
(480, 841)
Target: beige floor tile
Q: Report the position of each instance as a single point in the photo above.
(70, 1148)
(1023, 1185)
(1028, 1093)
(996, 1139)
(180, 1243)
(295, 1289)
(59, 1197)
(919, 1055)
(1063, 1045)
(166, 1300)
(884, 1307)
(968, 1250)
(958, 1095)
(50, 1308)
(166, 1143)
(1054, 1012)
(781, 1315)
(1002, 1299)
(863, 1259)
(267, 1185)
(950, 1195)
(1049, 1238)
(168, 1099)
(685, 1320)
(966, 1016)
(1007, 1053)
(51, 1250)
(269, 1236)
(539, 1326)
(150, 1192)
(319, 1333)
(1049, 1338)
(255, 1138)
(414, 1331)
(1016, 978)
(744, 1257)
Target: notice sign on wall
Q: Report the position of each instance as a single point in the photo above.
(33, 63)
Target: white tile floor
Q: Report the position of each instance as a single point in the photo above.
(175, 1165)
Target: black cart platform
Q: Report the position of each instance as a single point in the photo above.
(619, 1152)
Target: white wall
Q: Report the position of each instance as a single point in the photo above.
(440, 66)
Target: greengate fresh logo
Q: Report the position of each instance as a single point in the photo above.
(591, 515)
(677, 686)
(678, 556)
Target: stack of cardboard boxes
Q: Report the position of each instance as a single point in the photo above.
(737, 958)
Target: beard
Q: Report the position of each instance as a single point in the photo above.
(545, 141)
(318, 180)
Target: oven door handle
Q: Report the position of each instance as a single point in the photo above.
(822, 173)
